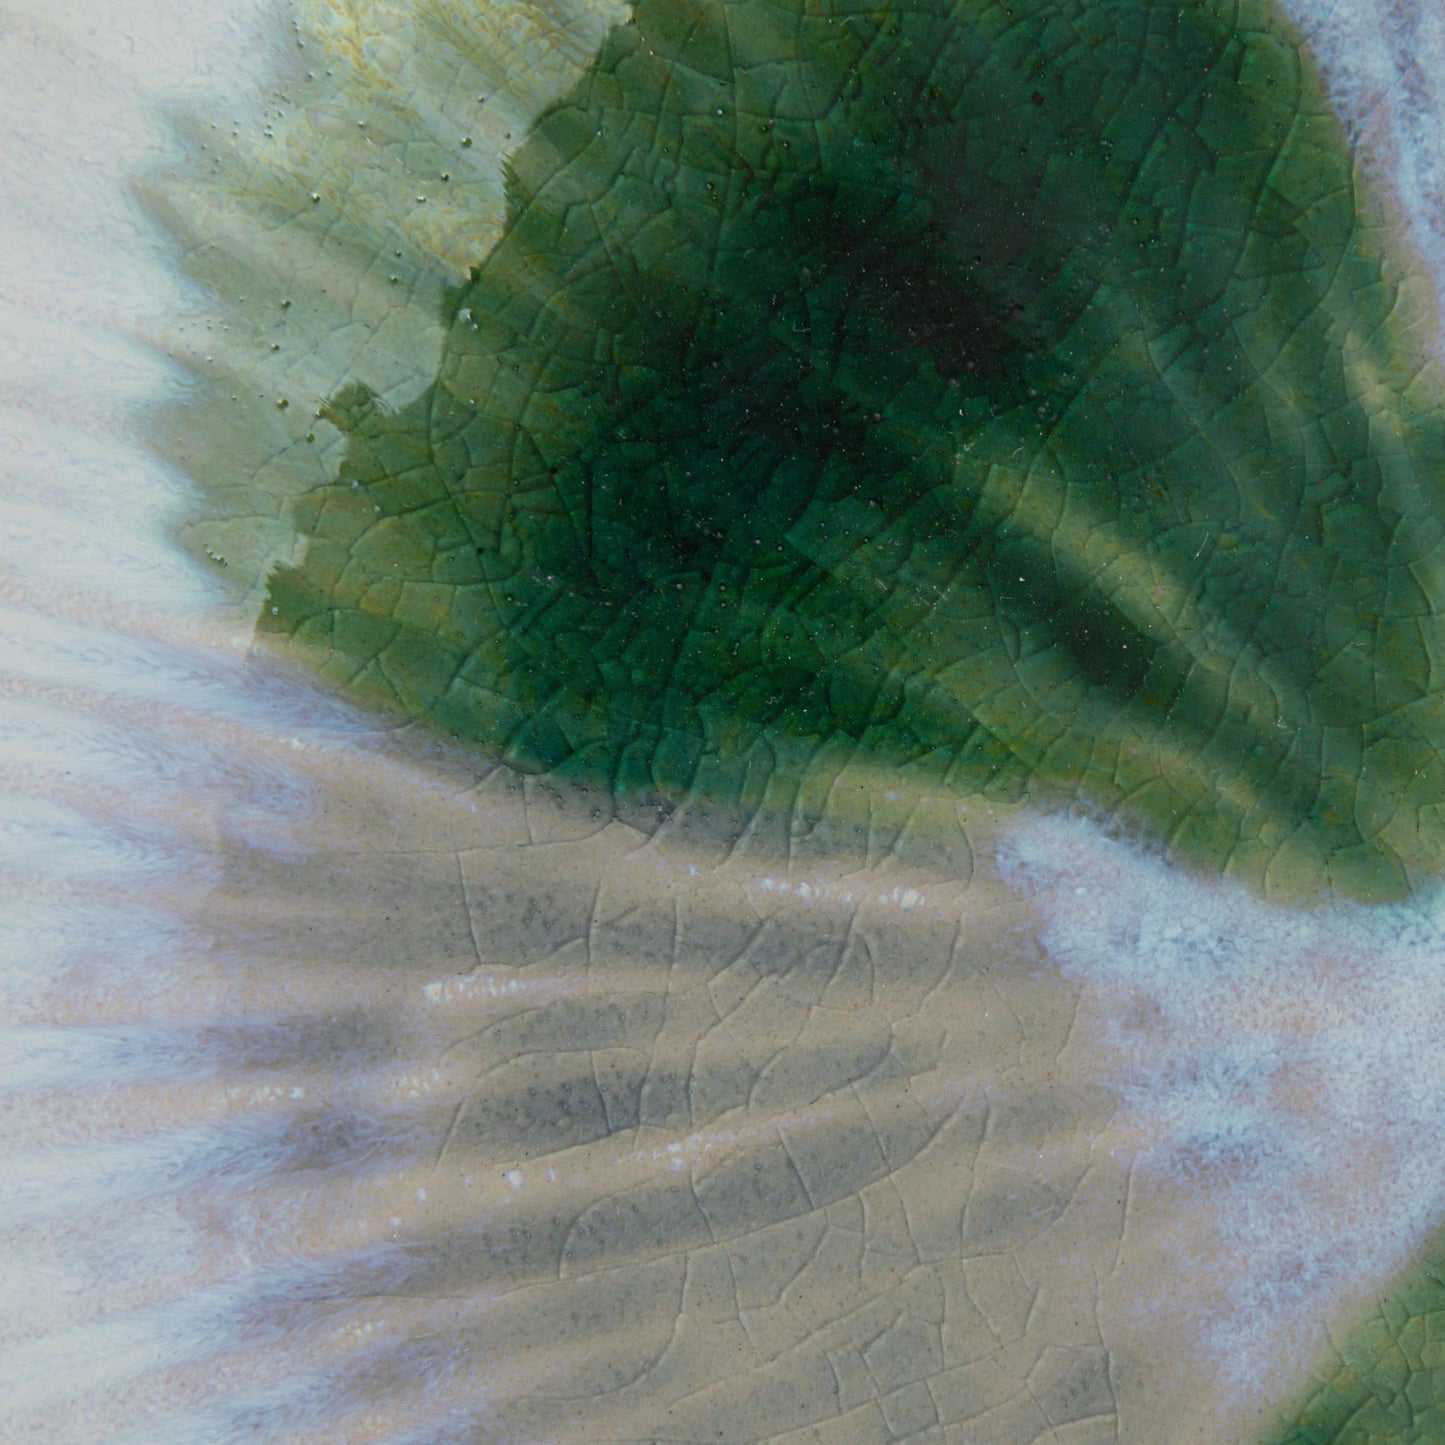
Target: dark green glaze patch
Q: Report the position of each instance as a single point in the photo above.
(1388, 1379)
(1014, 397)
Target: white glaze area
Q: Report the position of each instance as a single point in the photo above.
(1384, 62)
(1277, 1075)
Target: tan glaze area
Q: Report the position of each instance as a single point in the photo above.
(525, 1122)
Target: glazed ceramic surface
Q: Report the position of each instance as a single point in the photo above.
(722, 721)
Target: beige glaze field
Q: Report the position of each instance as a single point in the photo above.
(458, 1107)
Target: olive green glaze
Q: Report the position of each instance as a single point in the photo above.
(1015, 397)
(1388, 1380)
